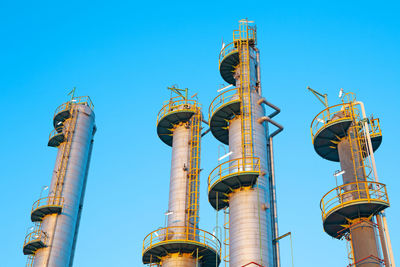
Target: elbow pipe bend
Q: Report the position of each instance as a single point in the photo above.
(265, 118)
(273, 114)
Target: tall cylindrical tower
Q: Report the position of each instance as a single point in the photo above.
(243, 185)
(353, 211)
(181, 243)
(56, 216)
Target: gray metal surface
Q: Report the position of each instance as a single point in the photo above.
(62, 229)
(250, 219)
(178, 194)
(178, 180)
(364, 239)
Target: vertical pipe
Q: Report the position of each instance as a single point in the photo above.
(386, 236)
(274, 204)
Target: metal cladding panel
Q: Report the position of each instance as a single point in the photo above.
(346, 162)
(250, 221)
(179, 181)
(364, 244)
(184, 260)
(235, 138)
(61, 229)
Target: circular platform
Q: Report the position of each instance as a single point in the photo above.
(38, 214)
(326, 139)
(169, 120)
(351, 201)
(224, 108)
(46, 206)
(228, 60)
(160, 243)
(229, 176)
(33, 242)
(56, 139)
(337, 219)
(62, 113)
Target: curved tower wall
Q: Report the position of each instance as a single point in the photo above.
(183, 260)
(363, 235)
(179, 181)
(62, 229)
(250, 229)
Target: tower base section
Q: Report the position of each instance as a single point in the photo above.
(179, 260)
(165, 242)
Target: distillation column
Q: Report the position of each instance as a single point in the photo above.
(181, 243)
(243, 184)
(57, 216)
(341, 134)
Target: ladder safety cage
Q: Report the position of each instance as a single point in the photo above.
(194, 169)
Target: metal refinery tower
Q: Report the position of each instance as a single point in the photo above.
(244, 185)
(181, 243)
(353, 211)
(52, 239)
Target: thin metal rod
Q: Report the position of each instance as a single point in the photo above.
(274, 204)
(206, 132)
(382, 239)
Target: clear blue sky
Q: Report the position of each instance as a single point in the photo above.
(125, 53)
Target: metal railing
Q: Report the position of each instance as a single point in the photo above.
(177, 105)
(179, 234)
(82, 100)
(222, 99)
(248, 34)
(233, 166)
(227, 50)
(36, 235)
(48, 201)
(58, 130)
(374, 128)
(329, 116)
(362, 191)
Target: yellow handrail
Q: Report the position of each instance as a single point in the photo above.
(245, 31)
(328, 116)
(179, 234)
(48, 201)
(227, 50)
(173, 106)
(223, 99)
(361, 191)
(240, 165)
(374, 128)
(58, 130)
(82, 100)
(36, 235)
